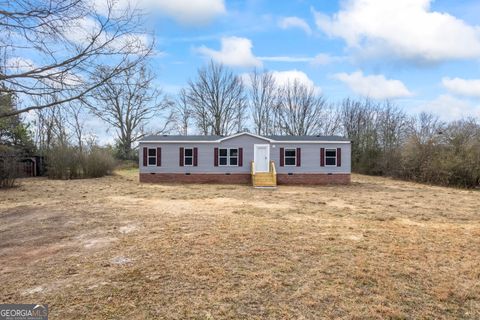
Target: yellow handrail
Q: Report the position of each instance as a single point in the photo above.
(272, 167)
(252, 168)
(273, 172)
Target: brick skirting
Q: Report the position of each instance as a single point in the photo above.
(244, 178)
(234, 178)
(313, 178)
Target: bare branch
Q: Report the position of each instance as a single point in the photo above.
(263, 99)
(218, 100)
(127, 103)
(53, 48)
(300, 110)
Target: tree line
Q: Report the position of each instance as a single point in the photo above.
(385, 139)
(93, 64)
(219, 102)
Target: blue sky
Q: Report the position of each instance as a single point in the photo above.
(424, 55)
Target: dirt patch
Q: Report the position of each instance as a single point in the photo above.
(128, 228)
(340, 204)
(121, 261)
(98, 243)
(376, 249)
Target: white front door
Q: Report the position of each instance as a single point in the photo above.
(261, 157)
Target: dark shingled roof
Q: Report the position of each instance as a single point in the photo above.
(307, 138)
(180, 138)
(214, 138)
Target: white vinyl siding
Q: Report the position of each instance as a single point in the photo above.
(310, 153)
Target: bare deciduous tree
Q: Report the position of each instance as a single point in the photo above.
(330, 123)
(53, 48)
(300, 109)
(359, 122)
(218, 100)
(263, 99)
(76, 121)
(127, 103)
(50, 128)
(426, 128)
(392, 125)
(182, 112)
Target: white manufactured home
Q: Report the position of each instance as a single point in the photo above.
(245, 158)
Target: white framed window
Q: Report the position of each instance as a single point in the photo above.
(188, 157)
(152, 156)
(228, 157)
(290, 157)
(331, 157)
(233, 157)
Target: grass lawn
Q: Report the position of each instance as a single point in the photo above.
(112, 248)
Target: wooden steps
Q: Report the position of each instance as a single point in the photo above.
(264, 179)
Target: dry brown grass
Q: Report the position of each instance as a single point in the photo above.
(113, 248)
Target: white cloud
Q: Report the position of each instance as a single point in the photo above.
(450, 108)
(319, 59)
(82, 30)
(234, 51)
(406, 29)
(19, 64)
(286, 59)
(54, 77)
(295, 22)
(189, 12)
(324, 59)
(283, 78)
(373, 86)
(132, 43)
(462, 87)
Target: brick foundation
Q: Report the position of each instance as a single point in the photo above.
(234, 178)
(313, 179)
(244, 178)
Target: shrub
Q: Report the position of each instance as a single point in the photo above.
(98, 163)
(62, 162)
(453, 159)
(8, 166)
(127, 164)
(68, 162)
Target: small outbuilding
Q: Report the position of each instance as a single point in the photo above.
(26, 166)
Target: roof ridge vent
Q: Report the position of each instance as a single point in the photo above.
(165, 135)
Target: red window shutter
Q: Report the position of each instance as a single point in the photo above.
(322, 157)
(282, 157)
(159, 157)
(145, 154)
(215, 157)
(299, 157)
(240, 157)
(182, 150)
(339, 157)
(195, 157)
